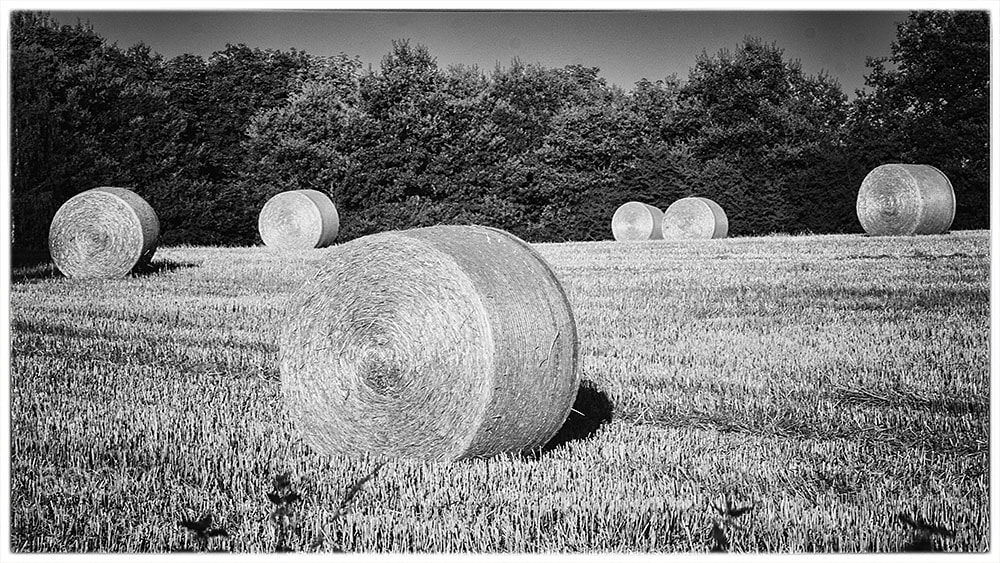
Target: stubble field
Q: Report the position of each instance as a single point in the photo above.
(812, 393)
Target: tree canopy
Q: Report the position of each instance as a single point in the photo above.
(546, 153)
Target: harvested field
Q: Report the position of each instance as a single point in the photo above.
(820, 393)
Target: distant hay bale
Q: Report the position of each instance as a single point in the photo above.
(298, 219)
(441, 343)
(637, 221)
(103, 233)
(695, 218)
(906, 199)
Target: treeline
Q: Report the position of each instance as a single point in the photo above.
(545, 153)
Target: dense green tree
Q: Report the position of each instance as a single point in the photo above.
(589, 148)
(220, 95)
(546, 153)
(45, 161)
(85, 114)
(204, 202)
(756, 122)
(402, 104)
(305, 142)
(663, 168)
(557, 132)
(523, 99)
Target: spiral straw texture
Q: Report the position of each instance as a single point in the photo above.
(298, 219)
(695, 218)
(437, 343)
(637, 221)
(906, 199)
(103, 233)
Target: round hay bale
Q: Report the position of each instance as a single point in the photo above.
(637, 221)
(104, 232)
(695, 218)
(906, 199)
(441, 343)
(298, 219)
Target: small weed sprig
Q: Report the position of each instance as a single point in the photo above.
(726, 520)
(352, 491)
(283, 515)
(203, 531)
(345, 503)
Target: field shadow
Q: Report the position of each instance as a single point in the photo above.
(591, 410)
(159, 267)
(40, 268)
(33, 264)
(26, 258)
(895, 398)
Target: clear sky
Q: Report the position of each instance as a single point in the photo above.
(625, 45)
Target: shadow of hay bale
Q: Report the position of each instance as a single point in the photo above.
(160, 266)
(591, 410)
(37, 266)
(26, 258)
(35, 272)
(31, 264)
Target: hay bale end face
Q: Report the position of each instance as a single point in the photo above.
(905, 199)
(438, 343)
(695, 218)
(637, 221)
(104, 232)
(298, 219)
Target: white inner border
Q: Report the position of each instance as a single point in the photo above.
(732, 5)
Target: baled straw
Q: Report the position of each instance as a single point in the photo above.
(695, 218)
(636, 221)
(103, 233)
(443, 343)
(906, 199)
(298, 219)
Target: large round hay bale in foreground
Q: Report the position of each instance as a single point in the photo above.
(906, 199)
(636, 221)
(437, 343)
(695, 218)
(103, 233)
(298, 219)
